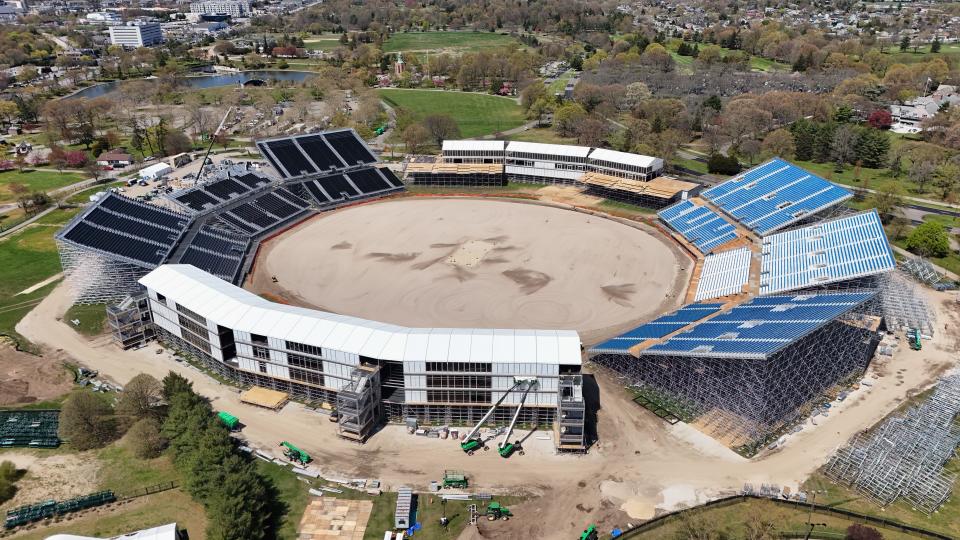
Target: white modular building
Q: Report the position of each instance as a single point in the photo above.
(469, 151)
(551, 163)
(439, 375)
(624, 164)
(545, 163)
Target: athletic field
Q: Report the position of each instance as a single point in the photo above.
(476, 114)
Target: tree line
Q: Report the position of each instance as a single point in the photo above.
(169, 416)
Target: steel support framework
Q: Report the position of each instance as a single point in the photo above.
(904, 306)
(904, 457)
(747, 402)
(96, 278)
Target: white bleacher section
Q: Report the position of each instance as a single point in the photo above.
(723, 274)
(840, 249)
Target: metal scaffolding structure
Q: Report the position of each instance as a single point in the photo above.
(905, 456)
(904, 306)
(98, 278)
(747, 402)
(921, 270)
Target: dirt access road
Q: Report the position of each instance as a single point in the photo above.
(639, 466)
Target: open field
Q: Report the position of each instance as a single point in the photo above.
(541, 135)
(325, 42)
(474, 263)
(28, 257)
(950, 52)
(437, 42)
(35, 180)
(476, 114)
(92, 318)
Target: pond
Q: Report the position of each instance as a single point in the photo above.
(203, 81)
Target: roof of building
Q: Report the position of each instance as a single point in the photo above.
(839, 249)
(156, 168)
(638, 160)
(548, 149)
(774, 195)
(485, 146)
(761, 327)
(115, 155)
(163, 532)
(244, 311)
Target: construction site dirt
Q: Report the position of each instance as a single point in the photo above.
(638, 466)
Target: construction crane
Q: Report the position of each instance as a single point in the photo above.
(471, 443)
(507, 448)
(295, 454)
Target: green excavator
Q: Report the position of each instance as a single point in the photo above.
(295, 454)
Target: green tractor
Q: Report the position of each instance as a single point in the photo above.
(495, 511)
(590, 533)
(295, 454)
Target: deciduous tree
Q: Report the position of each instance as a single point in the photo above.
(929, 239)
(87, 421)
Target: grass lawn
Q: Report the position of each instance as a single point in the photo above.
(92, 318)
(731, 522)
(476, 114)
(28, 257)
(948, 51)
(35, 181)
(617, 207)
(869, 178)
(692, 164)
(123, 472)
(560, 83)
(150, 511)
(452, 41)
(324, 42)
(82, 197)
(541, 135)
(291, 492)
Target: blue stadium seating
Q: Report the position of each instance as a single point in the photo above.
(698, 224)
(846, 248)
(762, 326)
(657, 328)
(773, 195)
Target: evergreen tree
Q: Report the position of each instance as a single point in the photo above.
(823, 142)
(935, 46)
(871, 147)
(904, 43)
(804, 134)
(174, 383)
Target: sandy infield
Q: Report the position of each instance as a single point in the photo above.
(471, 263)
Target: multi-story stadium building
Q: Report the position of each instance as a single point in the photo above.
(438, 375)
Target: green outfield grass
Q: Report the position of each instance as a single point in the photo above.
(476, 114)
(35, 181)
(324, 42)
(455, 41)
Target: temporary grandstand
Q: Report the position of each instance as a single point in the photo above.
(786, 306)
(218, 224)
(743, 373)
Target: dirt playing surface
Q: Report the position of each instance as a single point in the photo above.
(639, 466)
(450, 262)
(25, 378)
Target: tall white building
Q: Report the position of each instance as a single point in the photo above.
(234, 8)
(136, 34)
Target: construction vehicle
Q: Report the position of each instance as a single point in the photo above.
(295, 454)
(913, 337)
(495, 511)
(229, 420)
(454, 479)
(471, 442)
(507, 448)
(380, 130)
(590, 533)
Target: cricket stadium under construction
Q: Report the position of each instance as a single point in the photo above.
(788, 292)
